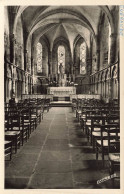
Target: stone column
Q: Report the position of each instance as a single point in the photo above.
(12, 48)
(13, 88)
(110, 88)
(26, 84)
(50, 63)
(23, 87)
(13, 82)
(97, 59)
(112, 56)
(97, 52)
(32, 58)
(25, 60)
(72, 68)
(32, 66)
(20, 56)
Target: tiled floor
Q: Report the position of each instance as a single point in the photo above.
(57, 156)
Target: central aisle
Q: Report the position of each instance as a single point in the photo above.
(53, 165)
(57, 156)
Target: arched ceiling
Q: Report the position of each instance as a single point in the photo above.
(57, 21)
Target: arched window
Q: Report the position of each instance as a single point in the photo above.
(61, 59)
(83, 58)
(39, 57)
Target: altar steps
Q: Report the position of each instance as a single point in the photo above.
(61, 104)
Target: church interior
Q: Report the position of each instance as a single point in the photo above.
(61, 97)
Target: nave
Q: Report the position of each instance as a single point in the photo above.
(62, 96)
(57, 155)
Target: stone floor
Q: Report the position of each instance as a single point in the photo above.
(57, 156)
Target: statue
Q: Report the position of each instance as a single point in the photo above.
(61, 73)
(61, 69)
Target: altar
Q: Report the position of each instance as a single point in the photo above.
(61, 91)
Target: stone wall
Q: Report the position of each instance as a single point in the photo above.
(28, 58)
(115, 13)
(94, 61)
(104, 42)
(45, 57)
(45, 53)
(19, 48)
(6, 34)
(82, 81)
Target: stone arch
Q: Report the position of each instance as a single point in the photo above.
(99, 77)
(45, 56)
(114, 72)
(70, 12)
(68, 58)
(9, 71)
(115, 86)
(81, 18)
(107, 74)
(103, 76)
(8, 82)
(104, 8)
(108, 13)
(76, 39)
(78, 43)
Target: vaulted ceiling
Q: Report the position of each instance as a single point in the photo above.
(57, 21)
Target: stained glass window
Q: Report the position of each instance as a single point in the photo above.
(83, 58)
(39, 57)
(61, 59)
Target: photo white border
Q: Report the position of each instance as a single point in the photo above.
(61, 191)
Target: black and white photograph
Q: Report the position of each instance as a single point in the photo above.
(61, 109)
